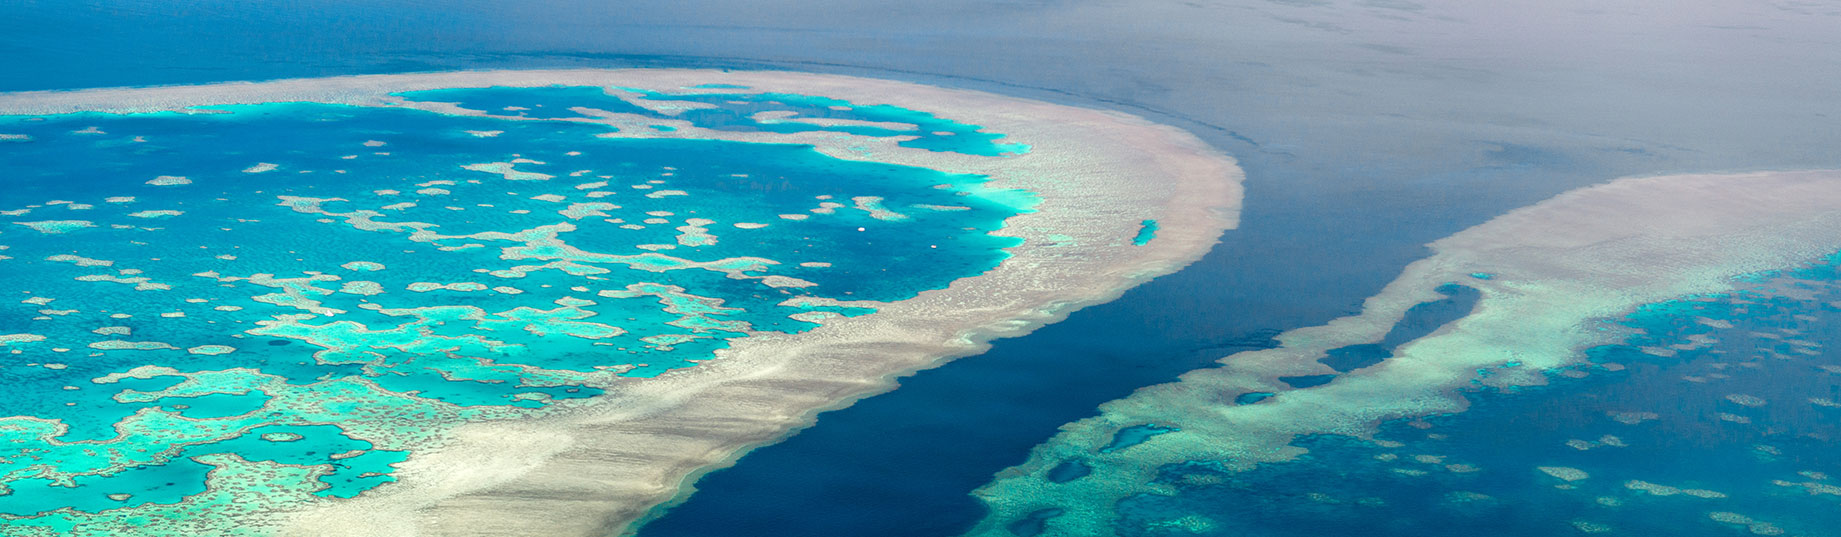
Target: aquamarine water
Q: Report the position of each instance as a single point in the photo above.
(1147, 230)
(297, 296)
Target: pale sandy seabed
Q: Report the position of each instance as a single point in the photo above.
(1549, 270)
(597, 470)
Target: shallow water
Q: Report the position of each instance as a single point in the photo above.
(330, 287)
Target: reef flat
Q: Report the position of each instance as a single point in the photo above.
(1280, 441)
(525, 302)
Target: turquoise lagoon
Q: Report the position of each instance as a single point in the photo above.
(287, 299)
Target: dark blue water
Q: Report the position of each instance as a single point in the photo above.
(1134, 435)
(902, 464)
(1420, 320)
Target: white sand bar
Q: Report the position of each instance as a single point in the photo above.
(599, 469)
(1553, 269)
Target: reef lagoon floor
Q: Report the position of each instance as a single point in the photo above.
(524, 302)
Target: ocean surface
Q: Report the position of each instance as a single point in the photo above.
(1366, 128)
